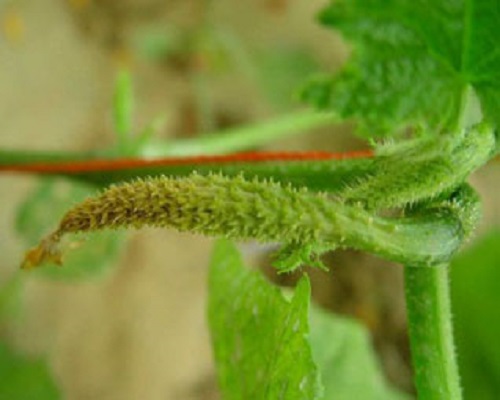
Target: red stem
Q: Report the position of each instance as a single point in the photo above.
(69, 167)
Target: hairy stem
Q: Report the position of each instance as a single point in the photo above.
(267, 211)
(431, 333)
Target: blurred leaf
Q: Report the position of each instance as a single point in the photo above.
(157, 43)
(259, 338)
(280, 70)
(40, 213)
(22, 378)
(412, 61)
(143, 139)
(348, 365)
(123, 104)
(475, 294)
(10, 296)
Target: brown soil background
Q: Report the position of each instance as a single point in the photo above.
(140, 332)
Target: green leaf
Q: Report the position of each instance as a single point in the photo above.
(262, 345)
(343, 352)
(23, 378)
(260, 339)
(40, 213)
(412, 62)
(475, 300)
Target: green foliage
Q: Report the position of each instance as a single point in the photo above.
(412, 62)
(128, 143)
(123, 105)
(475, 300)
(263, 348)
(343, 352)
(259, 338)
(418, 64)
(23, 378)
(36, 217)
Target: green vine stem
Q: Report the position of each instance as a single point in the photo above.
(431, 333)
(427, 291)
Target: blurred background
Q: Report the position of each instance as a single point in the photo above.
(136, 329)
